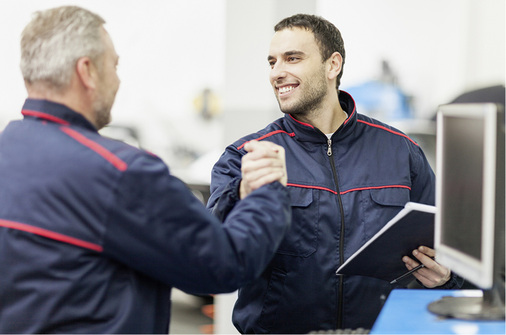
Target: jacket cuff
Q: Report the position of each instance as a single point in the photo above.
(455, 282)
(227, 200)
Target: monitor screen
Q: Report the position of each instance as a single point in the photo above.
(462, 174)
(467, 154)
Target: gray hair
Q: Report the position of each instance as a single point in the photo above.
(54, 40)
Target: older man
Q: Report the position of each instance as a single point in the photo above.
(93, 232)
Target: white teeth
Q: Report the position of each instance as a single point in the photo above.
(285, 89)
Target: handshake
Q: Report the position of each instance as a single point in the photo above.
(263, 164)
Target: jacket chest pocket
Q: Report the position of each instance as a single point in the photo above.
(302, 238)
(381, 205)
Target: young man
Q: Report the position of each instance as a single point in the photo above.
(348, 175)
(94, 233)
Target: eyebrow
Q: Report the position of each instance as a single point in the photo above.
(288, 53)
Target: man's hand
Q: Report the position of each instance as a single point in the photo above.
(432, 274)
(263, 164)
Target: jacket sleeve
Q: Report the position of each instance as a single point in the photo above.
(423, 183)
(225, 181)
(161, 230)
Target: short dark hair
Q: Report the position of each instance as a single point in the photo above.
(327, 36)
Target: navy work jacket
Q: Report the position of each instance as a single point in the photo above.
(343, 190)
(94, 232)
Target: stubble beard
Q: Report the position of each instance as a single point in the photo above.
(102, 113)
(103, 106)
(311, 99)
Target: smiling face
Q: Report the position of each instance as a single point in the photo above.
(298, 73)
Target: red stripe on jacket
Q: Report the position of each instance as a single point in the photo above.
(51, 235)
(109, 156)
(389, 130)
(44, 116)
(267, 135)
(350, 190)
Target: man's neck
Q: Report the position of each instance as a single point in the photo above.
(326, 119)
(70, 98)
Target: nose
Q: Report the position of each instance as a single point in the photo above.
(278, 71)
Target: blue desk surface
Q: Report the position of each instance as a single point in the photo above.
(405, 312)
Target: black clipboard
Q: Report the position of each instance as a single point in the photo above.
(381, 256)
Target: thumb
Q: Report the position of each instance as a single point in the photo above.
(250, 145)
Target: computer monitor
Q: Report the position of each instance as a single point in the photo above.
(470, 201)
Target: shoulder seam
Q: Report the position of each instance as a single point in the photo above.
(114, 160)
(267, 135)
(389, 130)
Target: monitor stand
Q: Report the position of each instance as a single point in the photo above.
(488, 307)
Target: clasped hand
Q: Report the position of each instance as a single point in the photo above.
(263, 164)
(432, 274)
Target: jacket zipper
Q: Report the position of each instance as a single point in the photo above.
(341, 237)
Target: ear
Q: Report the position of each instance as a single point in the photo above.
(86, 73)
(335, 63)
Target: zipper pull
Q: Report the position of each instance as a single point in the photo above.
(329, 150)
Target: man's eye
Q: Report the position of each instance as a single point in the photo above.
(271, 64)
(292, 59)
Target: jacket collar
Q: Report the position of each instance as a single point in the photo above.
(306, 132)
(50, 111)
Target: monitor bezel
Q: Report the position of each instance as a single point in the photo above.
(479, 272)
